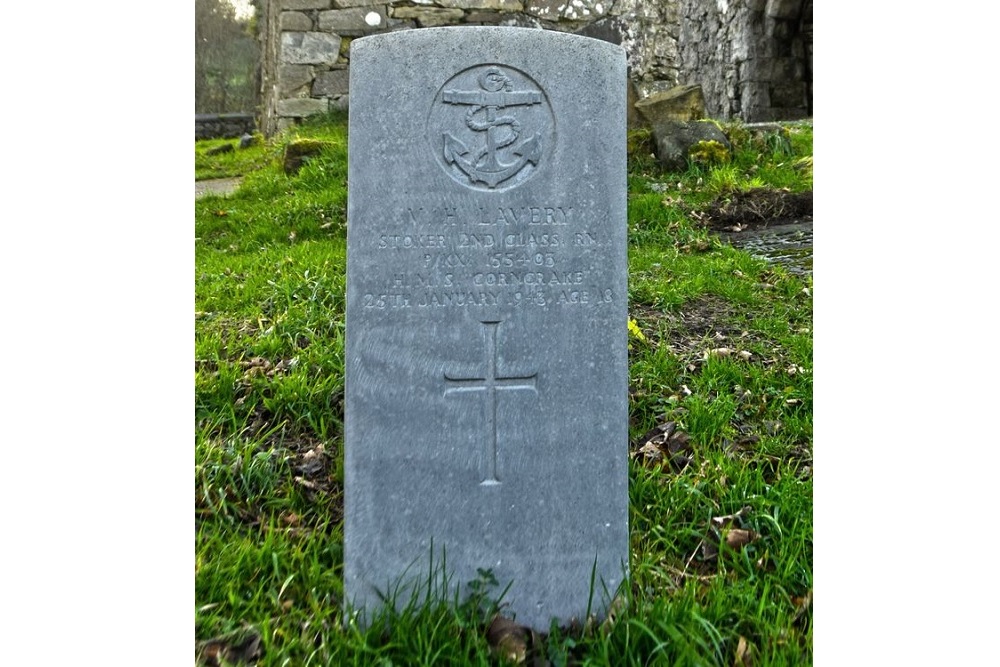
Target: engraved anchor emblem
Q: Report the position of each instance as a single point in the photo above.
(484, 164)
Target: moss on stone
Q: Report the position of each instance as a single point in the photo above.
(298, 151)
(640, 142)
(709, 152)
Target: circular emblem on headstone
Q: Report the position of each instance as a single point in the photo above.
(491, 127)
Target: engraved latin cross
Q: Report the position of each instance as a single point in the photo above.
(490, 383)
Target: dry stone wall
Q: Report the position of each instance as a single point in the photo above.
(749, 55)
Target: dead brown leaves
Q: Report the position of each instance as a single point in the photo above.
(510, 642)
(742, 658)
(665, 446)
(726, 532)
(243, 648)
(259, 366)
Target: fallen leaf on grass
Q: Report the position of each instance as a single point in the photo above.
(665, 443)
(312, 461)
(742, 653)
(730, 519)
(803, 605)
(651, 451)
(726, 530)
(615, 611)
(737, 538)
(241, 649)
(508, 640)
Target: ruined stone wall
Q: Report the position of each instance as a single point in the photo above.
(753, 58)
(306, 45)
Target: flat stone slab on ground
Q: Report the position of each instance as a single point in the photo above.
(216, 186)
(486, 421)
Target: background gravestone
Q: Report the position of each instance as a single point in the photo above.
(486, 391)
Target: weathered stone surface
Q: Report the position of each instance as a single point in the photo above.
(500, 5)
(485, 17)
(681, 103)
(783, 9)
(302, 107)
(650, 36)
(635, 121)
(610, 29)
(649, 88)
(486, 402)
(571, 10)
(344, 4)
(305, 4)
(303, 48)
(791, 95)
(521, 20)
(777, 69)
(674, 140)
(428, 17)
(295, 21)
(550, 10)
(293, 77)
(331, 84)
(354, 21)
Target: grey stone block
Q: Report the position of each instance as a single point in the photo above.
(680, 103)
(294, 77)
(354, 21)
(305, 4)
(429, 17)
(295, 21)
(675, 139)
(302, 107)
(304, 48)
(485, 17)
(486, 413)
(500, 5)
(331, 84)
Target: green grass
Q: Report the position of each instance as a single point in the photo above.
(233, 163)
(725, 354)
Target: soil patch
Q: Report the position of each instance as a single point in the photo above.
(757, 209)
